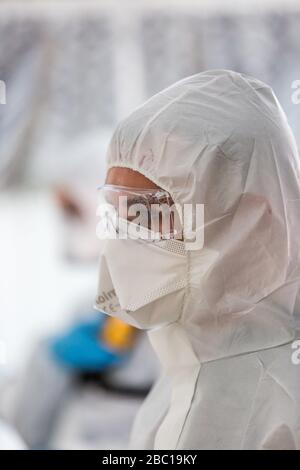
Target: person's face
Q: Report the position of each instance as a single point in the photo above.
(126, 177)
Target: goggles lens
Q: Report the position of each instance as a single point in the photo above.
(142, 213)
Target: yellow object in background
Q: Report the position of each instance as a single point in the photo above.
(118, 335)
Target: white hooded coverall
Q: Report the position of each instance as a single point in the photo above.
(227, 332)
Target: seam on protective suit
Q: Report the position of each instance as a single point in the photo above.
(268, 373)
(187, 287)
(242, 122)
(190, 407)
(180, 320)
(243, 85)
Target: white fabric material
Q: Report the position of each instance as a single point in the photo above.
(221, 139)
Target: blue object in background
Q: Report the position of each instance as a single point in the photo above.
(80, 348)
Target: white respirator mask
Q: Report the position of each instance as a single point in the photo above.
(142, 280)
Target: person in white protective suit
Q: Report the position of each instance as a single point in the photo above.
(222, 317)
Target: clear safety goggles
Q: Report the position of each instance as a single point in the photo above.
(148, 214)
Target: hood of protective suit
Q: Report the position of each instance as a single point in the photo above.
(221, 139)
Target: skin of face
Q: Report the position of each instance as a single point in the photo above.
(126, 177)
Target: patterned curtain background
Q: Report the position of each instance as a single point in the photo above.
(71, 74)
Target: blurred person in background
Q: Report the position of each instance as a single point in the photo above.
(94, 353)
(95, 356)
